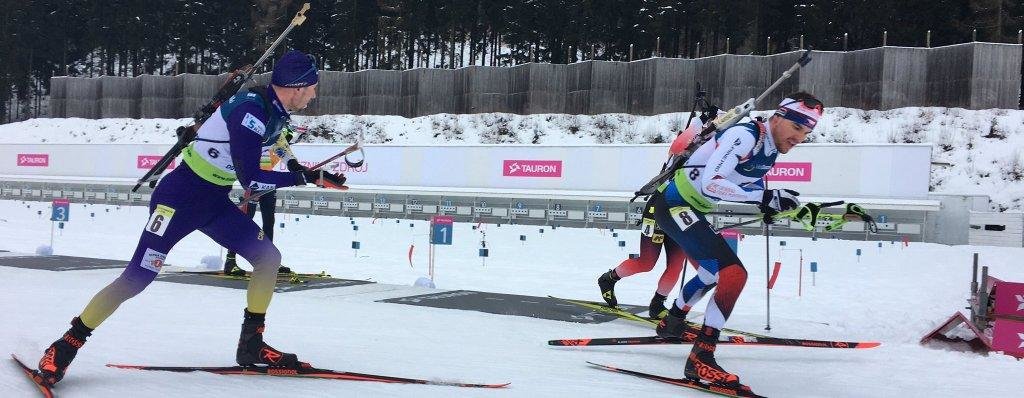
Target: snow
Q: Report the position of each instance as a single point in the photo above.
(892, 294)
(975, 151)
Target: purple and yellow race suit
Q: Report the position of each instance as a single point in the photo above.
(195, 196)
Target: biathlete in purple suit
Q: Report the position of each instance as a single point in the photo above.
(195, 197)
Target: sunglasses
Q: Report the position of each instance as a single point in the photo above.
(809, 103)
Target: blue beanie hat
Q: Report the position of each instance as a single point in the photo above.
(295, 69)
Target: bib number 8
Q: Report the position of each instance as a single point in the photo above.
(684, 216)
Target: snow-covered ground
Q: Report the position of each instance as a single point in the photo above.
(976, 151)
(890, 294)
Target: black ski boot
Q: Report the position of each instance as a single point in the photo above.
(59, 355)
(607, 284)
(657, 308)
(231, 268)
(674, 325)
(701, 364)
(253, 351)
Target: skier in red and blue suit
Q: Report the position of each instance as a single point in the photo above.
(731, 167)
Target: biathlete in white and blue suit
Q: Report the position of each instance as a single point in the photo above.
(731, 167)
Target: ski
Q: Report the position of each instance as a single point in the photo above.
(305, 372)
(604, 308)
(722, 340)
(31, 373)
(727, 391)
(321, 275)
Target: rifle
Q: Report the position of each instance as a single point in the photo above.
(722, 122)
(187, 134)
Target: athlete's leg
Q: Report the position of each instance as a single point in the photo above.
(250, 210)
(675, 260)
(650, 250)
(174, 213)
(235, 231)
(268, 205)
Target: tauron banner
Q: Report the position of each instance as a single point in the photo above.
(851, 170)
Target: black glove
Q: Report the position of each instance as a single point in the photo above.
(775, 200)
(322, 179)
(294, 165)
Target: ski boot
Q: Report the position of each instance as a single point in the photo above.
(657, 308)
(701, 364)
(607, 284)
(231, 268)
(252, 350)
(59, 355)
(674, 325)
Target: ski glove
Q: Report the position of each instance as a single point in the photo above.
(777, 200)
(320, 178)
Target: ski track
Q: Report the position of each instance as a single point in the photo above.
(893, 295)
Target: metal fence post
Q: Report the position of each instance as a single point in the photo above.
(846, 38)
(630, 53)
(885, 37)
(928, 39)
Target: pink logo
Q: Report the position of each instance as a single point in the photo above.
(1008, 336)
(1010, 299)
(33, 160)
(532, 168)
(789, 171)
(442, 220)
(148, 161)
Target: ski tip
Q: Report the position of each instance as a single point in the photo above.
(597, 365)
(121, 366)
(569, 342)
(870, 344)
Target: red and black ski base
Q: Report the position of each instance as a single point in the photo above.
(31, 373)
(728, 391)
(722, 340)
(306, 372)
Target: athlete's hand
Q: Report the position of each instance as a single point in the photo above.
(320, 178)
(777, 200)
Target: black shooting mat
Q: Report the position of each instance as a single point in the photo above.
(283, 285)
(512, 304)
(60, 263)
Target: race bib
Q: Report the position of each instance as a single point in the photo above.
(647, 227)
(684, 217)
(159, 220)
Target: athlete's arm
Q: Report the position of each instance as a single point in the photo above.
(246, 126)
(734, 145)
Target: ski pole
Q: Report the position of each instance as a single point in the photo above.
(756, 220)
(352, 148)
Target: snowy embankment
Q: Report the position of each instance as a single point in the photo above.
(975, 151)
